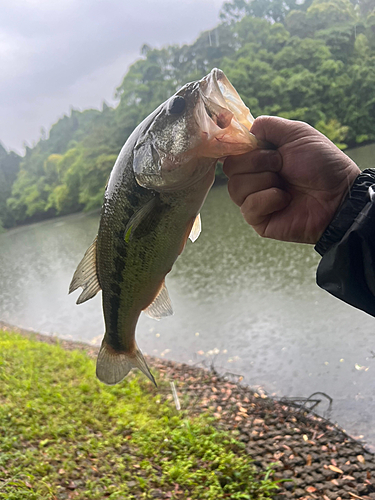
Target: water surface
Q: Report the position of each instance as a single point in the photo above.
(247, 304)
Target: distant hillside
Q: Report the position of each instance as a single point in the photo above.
(313, 62)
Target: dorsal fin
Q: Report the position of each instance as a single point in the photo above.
(86, 275)
(196, 229)
(161, 306)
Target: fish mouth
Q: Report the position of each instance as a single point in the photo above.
(223, 117)
(222, 100)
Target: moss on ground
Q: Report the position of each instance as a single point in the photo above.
(63, 435)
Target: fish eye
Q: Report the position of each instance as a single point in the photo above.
(177, 105)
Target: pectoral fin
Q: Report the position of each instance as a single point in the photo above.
(86, 276)
(142, 214)
(161, 306)
(196, 229)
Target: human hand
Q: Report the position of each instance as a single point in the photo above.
(292, 193)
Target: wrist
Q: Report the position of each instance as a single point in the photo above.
(351, 207)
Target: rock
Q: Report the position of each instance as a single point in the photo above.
(297, 481)
(265, 421)
(331, 495)
(288, 494)
(244, 438)
(288, 474)
(307, 469)
(346, 468)
(317, 477)
(289, 485)
(327, 485)
(156, 493)
(319, 486)
(362, 489)
(297, 461)
(309, 480)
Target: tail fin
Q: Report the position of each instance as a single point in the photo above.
(112, 367)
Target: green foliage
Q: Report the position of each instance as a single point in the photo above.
(325, 14)
(9, 167)
(363, 7)
(273, 10)
(334, 131)
(62, 431)
(311, 60)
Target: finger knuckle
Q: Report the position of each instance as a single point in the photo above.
(234, 186)
(250, 204)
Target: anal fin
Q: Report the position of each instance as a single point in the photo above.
(86, 275)
(161, 306)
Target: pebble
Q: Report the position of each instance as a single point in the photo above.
(270, 429)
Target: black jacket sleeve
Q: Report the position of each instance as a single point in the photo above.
(347, 247)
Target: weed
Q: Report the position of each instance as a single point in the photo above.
(65, 435)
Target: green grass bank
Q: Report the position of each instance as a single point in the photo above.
(65, 435)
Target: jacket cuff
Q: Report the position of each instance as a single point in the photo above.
(352, 206)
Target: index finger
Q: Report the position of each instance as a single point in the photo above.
(280, 131)
(259, 160)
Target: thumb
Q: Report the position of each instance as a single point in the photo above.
(279, 131)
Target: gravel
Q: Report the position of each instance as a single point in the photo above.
(313, 457)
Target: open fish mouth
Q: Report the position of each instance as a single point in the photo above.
(205, 119)
(222, 100)
(223, 117)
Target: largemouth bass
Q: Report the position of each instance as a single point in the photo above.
(151, 206)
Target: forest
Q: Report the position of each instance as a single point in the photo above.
(311, 61)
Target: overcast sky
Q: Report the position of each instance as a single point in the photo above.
(55, 54)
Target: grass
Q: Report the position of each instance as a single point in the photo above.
(65, 435)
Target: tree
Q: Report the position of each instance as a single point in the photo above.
(311, 61)
(364, 7)
(324, 14)
(272, 10)
(9, 167)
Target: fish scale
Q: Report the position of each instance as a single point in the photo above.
(151, 205)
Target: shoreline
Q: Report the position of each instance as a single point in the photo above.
(317, 457)
(219, 181)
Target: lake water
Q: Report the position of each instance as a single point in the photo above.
(248, 305)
